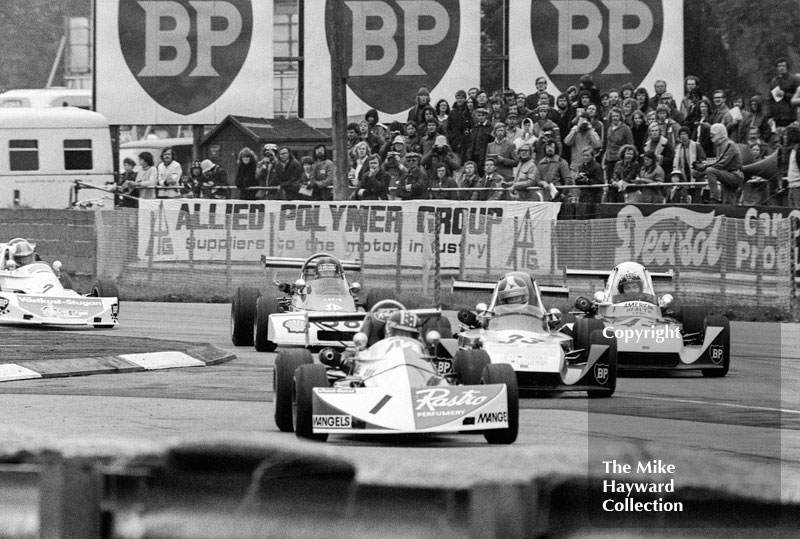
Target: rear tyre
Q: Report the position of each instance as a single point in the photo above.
(716, 320)
(265, 306)
(378, 294)
(611, 382)
(582, 333)
(442, 325)
(286, 362)
(469, 365)
(243, 312)
(306, 378)
(504, 374)
(103, 288)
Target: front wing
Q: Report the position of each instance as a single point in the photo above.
(58, 311)
(313, 329)
(436, 409)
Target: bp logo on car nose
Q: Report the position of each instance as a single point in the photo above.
(609, 39)
(393, 47)
(601, 372)
(185, 53)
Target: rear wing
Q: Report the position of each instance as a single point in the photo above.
(489, 286)
(667, 276)
(279, 262)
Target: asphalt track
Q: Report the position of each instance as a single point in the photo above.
(739, 432)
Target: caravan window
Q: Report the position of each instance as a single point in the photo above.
(23, 154)
(78, 154)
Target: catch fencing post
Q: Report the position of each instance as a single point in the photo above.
(69, 504)
(437, 262)
(398, 269)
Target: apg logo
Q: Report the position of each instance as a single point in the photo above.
(616, 40)
(184, 53)
(393, 47)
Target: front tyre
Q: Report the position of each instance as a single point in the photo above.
(306, 378)
(286, 362)
(243, 311)
(501, 373)
(469, 365)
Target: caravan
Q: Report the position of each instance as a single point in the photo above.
(43, 151)
(47, 97)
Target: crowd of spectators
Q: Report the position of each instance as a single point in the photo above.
(587, 145)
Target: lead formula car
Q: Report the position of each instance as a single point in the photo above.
(389, 382)
(651, 332)
(34, 294)
(516, 329)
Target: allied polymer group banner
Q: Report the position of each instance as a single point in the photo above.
(479, 235)
(614, 41)
(393, 48)
(183, 61)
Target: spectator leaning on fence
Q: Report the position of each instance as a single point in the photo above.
(552, 170)
(214, 177)
(443, 179)
(413, 182)
(724, 175)
(267, 171)
(246, 174)
(589, 173)
(525, 174)
(147, 177)
(374, 183)
(169, 174)
(687, 153)
(289, 172)
(323, 172)
(468, 178)
(625, 172)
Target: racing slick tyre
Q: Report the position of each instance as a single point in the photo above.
(378, 294)
(693, 318)
(469, 365)
(442, 325)
(243, 311)
(501, 373)
(265, 306)
(582, 333)
(716, 320)
(286, 362)
(306, 378)
(610, 376)
(104, 288)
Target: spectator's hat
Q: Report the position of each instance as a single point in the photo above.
(399, 140)
(481, 110)
(413, 155)
(526, 146)
(512, 114)
(423, 91)
(572, 89)
(441, 140)
(677, 172)
(498, 124)
(271, 147)
(491, 158)
(196, 164)
(206, 165)
(509, 91)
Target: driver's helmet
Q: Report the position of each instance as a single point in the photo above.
(512, 291)
(23, 252)
(402, 324)
(630, 283)
(327, 267)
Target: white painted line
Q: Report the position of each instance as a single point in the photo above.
(12, 371)
(724, 404)
(163, 360)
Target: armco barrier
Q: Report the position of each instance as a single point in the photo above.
(246, 490)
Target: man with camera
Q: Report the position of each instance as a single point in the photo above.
(266, 172)
(439, 153)
(582, 135)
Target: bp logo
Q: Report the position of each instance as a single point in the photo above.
(393, 47)
(601, 373)
(184, 53)
(614, 41)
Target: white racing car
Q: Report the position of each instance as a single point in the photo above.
(651, 332)
(322, 287)
(389, 382)
(32, 292)
(516, 329)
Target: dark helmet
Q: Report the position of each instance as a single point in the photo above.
(512, 291)
(402, 324)
(629, 278)
(328, 267)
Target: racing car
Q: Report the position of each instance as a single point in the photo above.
(652, 332)
(390, 381)
(322, 286)
(515, 329)
(33, 292)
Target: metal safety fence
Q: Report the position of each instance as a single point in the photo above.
(416, 248)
